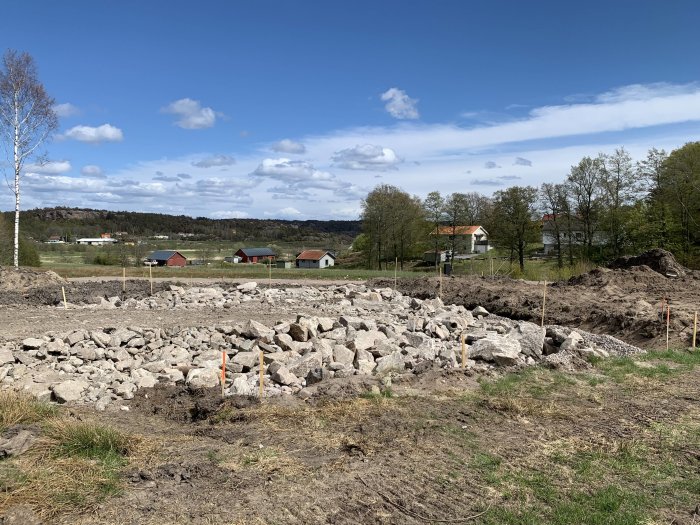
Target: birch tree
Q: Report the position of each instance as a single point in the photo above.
(27, 119)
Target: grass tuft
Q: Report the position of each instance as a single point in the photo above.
(18, 407)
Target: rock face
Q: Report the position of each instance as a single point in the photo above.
(362, 332)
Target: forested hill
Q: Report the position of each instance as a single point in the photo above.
(40, 224)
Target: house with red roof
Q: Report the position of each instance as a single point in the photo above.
(315, 259)
(474, 239)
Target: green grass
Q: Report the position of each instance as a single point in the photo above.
(88, 440)
(17, 408)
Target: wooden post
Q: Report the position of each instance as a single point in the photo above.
(65, 303)
(491, 261)
(695, 328)
(464, 353)
(223, 373)
(262, 375)
(150, 276)
(124, 279)
(544, 300)
(440, 272)
(668, 323)
(396, 266)
(269, 271)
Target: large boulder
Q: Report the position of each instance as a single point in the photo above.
(531, 338)
(203, 378)
(497, 349)
(69, 391)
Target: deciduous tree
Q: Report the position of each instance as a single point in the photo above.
(27, 119)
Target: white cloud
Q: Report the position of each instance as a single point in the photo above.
(191, 114)
(288, 146)
(490, 165)
(366, 157)
(399, 104)
(66, 110)
(285, 213)
(230, 214)
(520, 161)
(103, 133)
(53, 167)
(215, 160)
(91, 170)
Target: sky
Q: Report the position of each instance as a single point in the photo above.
(297, 109)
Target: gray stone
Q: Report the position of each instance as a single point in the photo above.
(343, 355)
(69, 391)
(16, 444)
(365, 340)
(242, 387)
(255, 330)
(143, 378)
(203, 378)
(76, 337)
(247, 360)
(247, 287)
(31, 343)
(298, 332)
(393, 362)
(531, 338)
(284, 377)
(496, 348)
(87, 353)
(284, 341)
(6, 356)
(303, 366)
(480, 310)
(573, 341)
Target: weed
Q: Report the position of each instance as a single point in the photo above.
(88, 440)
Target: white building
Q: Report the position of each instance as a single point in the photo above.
(315, 259)
(96, 241)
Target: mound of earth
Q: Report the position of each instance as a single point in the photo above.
(23, 279)
(659, 260)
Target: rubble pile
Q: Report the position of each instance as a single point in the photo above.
(362, 331)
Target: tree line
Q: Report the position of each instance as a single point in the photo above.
(607, 206)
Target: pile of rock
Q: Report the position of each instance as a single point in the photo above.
(382, 333)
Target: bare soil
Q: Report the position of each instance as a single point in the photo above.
(425, 454)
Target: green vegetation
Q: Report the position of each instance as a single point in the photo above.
(73, 466)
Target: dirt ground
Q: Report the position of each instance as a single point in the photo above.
(428, 453)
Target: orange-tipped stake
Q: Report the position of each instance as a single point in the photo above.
(65, 303)
(223, 373)
(695, 328)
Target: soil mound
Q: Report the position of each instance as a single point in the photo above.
(659, 260)
(23, 279)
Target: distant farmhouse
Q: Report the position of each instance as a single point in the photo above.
(254, 255)
(475, 239)
(97, 241)
(315, 259)
(570, 230)
(167, 258)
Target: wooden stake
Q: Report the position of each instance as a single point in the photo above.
(223, 373)
(396, 265)
(262, 376)
(464, 353)
(491, 261)
(65, 303)
(668, 323)
(150, 276)
(269, 270)
(695, 328)
(544, 299)
(440, 271)
(124, 279)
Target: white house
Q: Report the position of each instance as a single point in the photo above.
(475, 239)
(315, 259)
(96, 241)
(568, 230)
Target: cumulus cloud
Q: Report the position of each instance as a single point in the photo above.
(490, 165)
(520, 161)
(366, 157)
(299, 177)
(509, 177)
(103, 133)
(46, 183)
(92, 170)
(399, 104)
(166, 178)
(191, 114)
(215, 160)
(53, 167)
(184, 176)
(288, 146)
(66, 110)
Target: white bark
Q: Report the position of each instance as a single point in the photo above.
(17, 167)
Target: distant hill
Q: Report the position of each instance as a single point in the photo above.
(41, 224)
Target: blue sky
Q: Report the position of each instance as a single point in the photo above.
(282, 109)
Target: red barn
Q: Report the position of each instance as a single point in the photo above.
(254, 255)
(167, 258)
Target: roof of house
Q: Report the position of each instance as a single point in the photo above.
(164, 255)
(456, 230)
(257, 252)
(313, 255)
